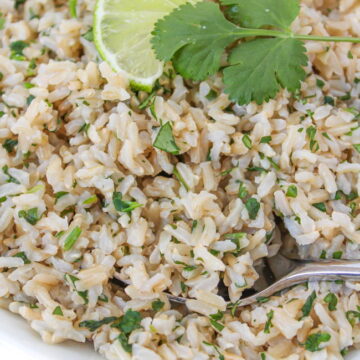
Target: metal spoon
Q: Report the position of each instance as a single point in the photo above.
(280, 273)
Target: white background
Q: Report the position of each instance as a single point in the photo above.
(19, 342)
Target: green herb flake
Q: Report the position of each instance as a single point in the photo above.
(2, 22)
(58, 311)
(28, 85)
(268, 323)
(257, 168)
(157, 305)
(124, 341)
(314, 341)
(72, 8)
(357, 147)
(319, 83)
(320, 206)
(263, 356)
(328, 100)
(91, 200)
(103, 298)
(219, 327)
(253, 207)
(242, 193)
(93, 325)
(29, 99)
(129, 322)
(72, 238)
(23, 256)
(350, 55)
(124, 206)
(326, 135)
(265, 139)
(323, 255)
(183, 287)
(292, 191)
(10, 179)
(31, 215)
(337, 255)
(165, 140)
(262, 299)
(218, 316)
(247, 141)
(180, 179)
(17, 48)
(352, 316)
(59, 195)
(3, 199)
(9, 145)
(212, 95)
(18, 3)
(89, 35)
(306, 309)
(331, 300)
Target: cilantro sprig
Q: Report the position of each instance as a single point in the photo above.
(196, 37)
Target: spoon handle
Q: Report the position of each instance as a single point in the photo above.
(311, 271)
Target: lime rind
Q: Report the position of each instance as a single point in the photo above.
(122, 33)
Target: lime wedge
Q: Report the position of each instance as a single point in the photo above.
(122, 33)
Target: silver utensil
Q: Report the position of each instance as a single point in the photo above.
(279, 273)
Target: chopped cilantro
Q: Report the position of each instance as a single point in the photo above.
(247, 141)
(165, 140)
(58, 311)
(242, 193)
(9, 145)
(320, 206)
(93, 325)
(31, 215)
(72, 238)
(253, 207)
(306, 309)
(314, 341)
(89, 35)
(268, 323)
(124, 206)
(157, 305)
(337, 255)
(292, 191)
(331, 300)
(23, 256)
(329, 100)
(265, 139)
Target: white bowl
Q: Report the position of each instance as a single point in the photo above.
(19, 342)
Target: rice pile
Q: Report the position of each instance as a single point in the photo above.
(73, 135)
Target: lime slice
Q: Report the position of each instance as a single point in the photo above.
(122, 33)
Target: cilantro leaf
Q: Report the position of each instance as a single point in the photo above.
(259, 68)
(292, 191)
(253, 207)
(93, 325)
(58, 311)
(194, 37)
(129, 322)
(269, 324)
(31, 215)
(306, 309)
(157, 305)
(72, 238)
(165, 140)
(23, 256)
(331, 300)
(9, 145)
(124, 206)
(258, 13)
(313, 341)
